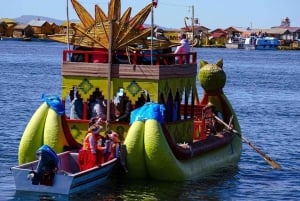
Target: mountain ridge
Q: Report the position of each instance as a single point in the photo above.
(25, 19)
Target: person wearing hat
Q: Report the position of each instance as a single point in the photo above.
(91, 153)
(159, 34)
(183, 48)
(209, 111)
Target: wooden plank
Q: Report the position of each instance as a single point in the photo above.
(155, 72)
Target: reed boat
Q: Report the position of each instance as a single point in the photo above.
(113, 64)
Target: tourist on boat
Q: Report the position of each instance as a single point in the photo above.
(183, 48)
(112, 146)
(91, 153)
(123, 109)
(76, 111)
(159, 34)
(99, 109)
(79, 57)
(209, 111)
(46, 168)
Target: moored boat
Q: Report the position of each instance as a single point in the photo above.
(261, 43)
(65, 178)
(235, 43)
(169, 136)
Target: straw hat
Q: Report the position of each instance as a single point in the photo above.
(209, 105)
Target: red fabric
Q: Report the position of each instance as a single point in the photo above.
(86, 158)
(100, 55)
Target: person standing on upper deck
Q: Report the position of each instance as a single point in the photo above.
(183, 48)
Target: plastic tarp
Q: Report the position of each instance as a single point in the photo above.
(148, 111)
(55, 103)
(49, 153)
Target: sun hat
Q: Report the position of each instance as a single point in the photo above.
(209, 105)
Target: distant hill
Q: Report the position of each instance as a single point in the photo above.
(25, 19)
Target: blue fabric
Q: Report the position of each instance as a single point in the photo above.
(148, 111)
(50, 152)
(54, 103)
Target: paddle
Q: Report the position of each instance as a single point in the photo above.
(263, 155)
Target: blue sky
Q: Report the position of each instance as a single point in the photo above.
(171, 13)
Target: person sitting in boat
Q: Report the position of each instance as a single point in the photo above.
(183, 48)
(112, 146)
(46, 168)
(76, 111)
(99, 109)
(210, 124)
(91, 153)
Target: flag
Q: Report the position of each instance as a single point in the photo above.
(154, 3)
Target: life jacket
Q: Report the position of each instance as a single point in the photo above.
(86, 158)
(86, 142)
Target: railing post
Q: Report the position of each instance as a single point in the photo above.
(134, 58)
(194, 57)
(64, 55)
(85, 110)
(86, 57)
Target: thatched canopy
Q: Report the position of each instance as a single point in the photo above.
(96, 32)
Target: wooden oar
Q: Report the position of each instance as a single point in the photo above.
(273, 163)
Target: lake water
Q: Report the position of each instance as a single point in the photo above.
(263, 87)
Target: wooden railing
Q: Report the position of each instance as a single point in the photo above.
(137, 57)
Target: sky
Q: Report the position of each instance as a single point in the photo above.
(171, 13)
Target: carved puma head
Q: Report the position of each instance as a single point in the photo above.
(211, 76)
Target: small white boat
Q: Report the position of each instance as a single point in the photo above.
(261, 43)
(235, 43)
(66, 179)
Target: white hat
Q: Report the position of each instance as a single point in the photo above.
(209, 105)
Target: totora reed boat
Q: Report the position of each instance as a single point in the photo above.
(169, 135)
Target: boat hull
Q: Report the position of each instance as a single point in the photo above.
(68, 179)
(260, 47)
(234, 45)
(195, 167)
(160, 162)
(263, 43)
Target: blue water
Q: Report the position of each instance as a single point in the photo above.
(263, 87)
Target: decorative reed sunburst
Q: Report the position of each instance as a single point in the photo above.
(96, 32)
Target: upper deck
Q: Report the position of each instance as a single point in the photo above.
(163, 67)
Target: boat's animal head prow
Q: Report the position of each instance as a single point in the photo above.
(211, 76)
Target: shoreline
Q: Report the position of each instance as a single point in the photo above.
(201, 46)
